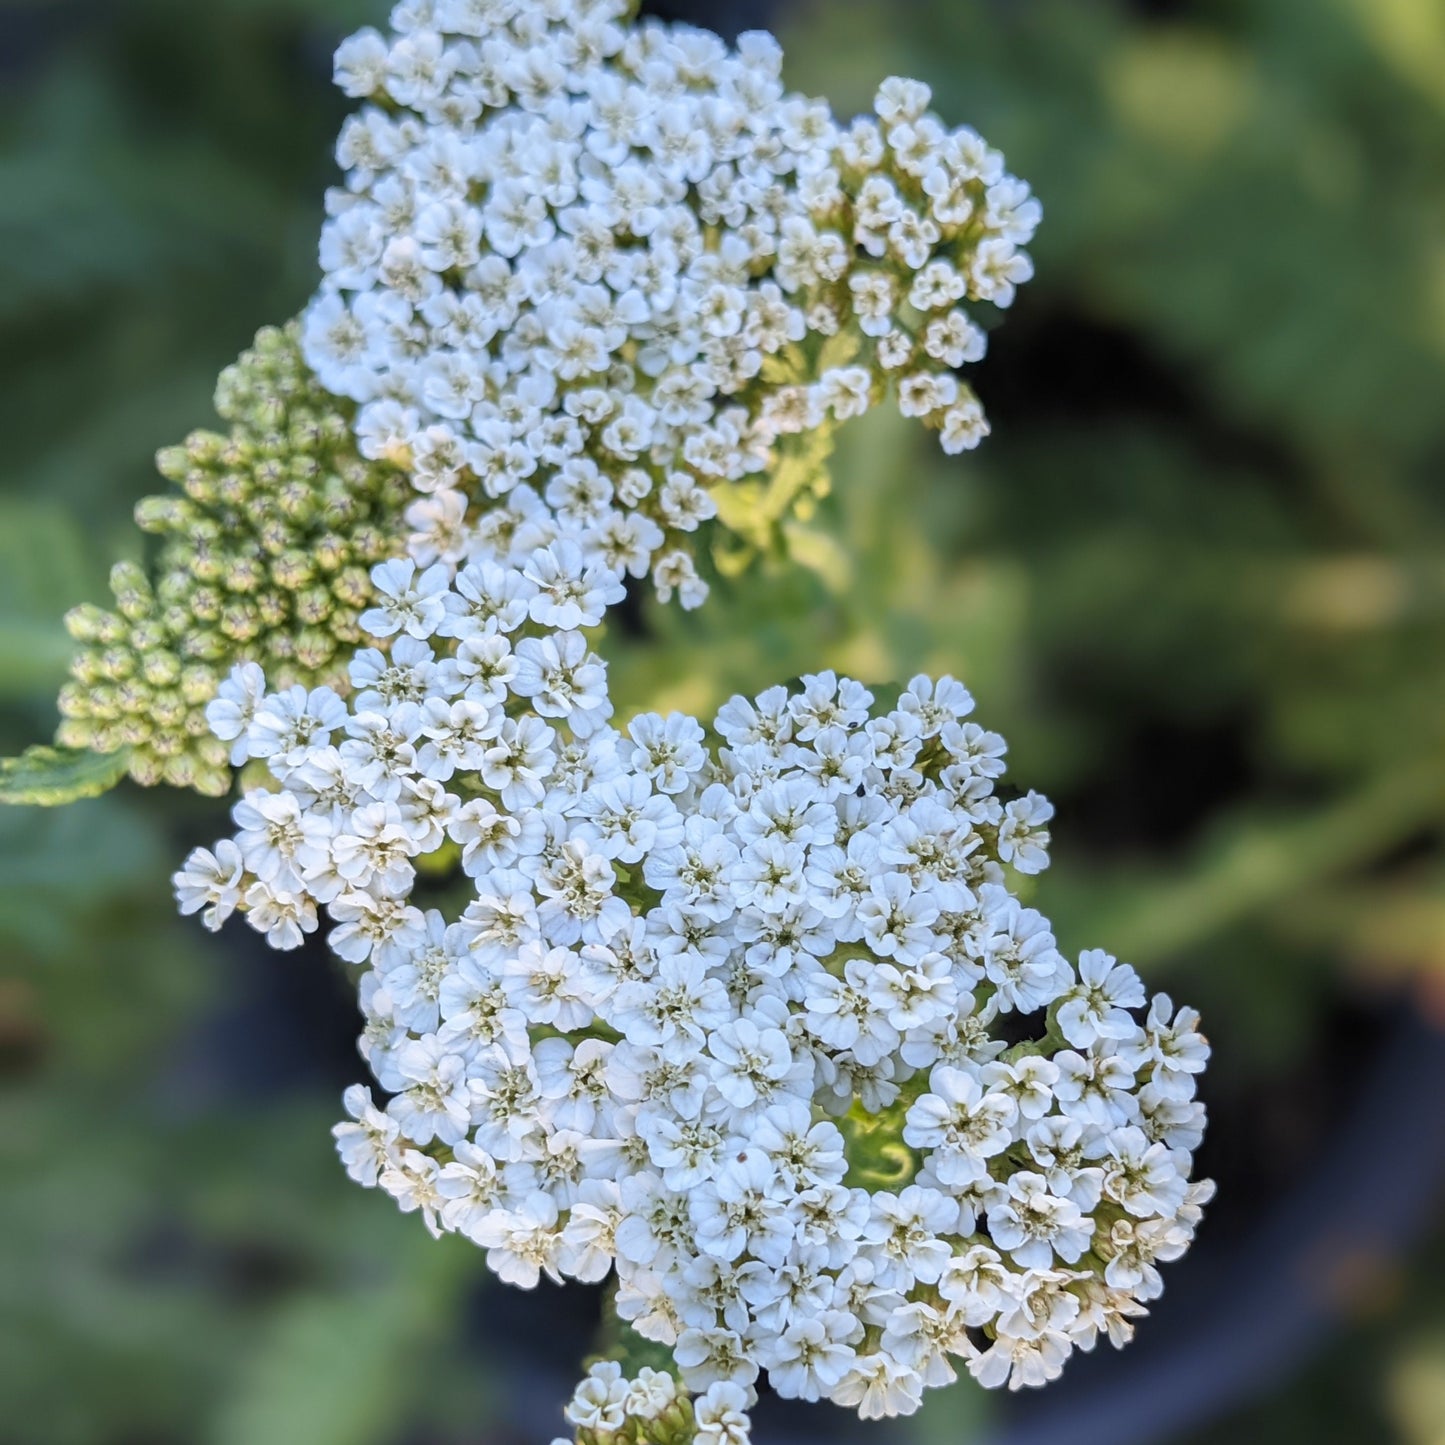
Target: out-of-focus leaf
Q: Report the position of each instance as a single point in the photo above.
(1410, 35)
(339, 1367)
(1256, 864)
(46, 777)
(1416, 1391)
(45, 561)
(45, 569)
(820, 552)
(1387, 929)
(34, 656)
(953, 1415)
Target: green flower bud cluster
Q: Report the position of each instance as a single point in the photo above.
(265, 556)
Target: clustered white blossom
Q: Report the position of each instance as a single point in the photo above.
(651, 1410)
(753, 1018)
(598, 272)
(692, 988)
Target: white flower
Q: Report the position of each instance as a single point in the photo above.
(230, 712)
(721, 1415)
(879, 1387)
(1141, 1176)
(962, 1124)
(571, 592)
(896, 920)
(812, 1355)
(676, 970)
(600, 1402)
(1023, 840)
(211, 881)
(651, 1394)
(365, 1146)
(285, 918)
(1035, 1226)
(1098, 1006)
(1174, 1046)
(1018, 1362)
(1016, 948)
(412, 1179)
(409, 601)
(523, 1242)
(668, 750)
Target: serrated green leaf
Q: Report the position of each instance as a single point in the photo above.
(44, 777)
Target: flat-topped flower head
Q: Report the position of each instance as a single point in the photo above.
(612, 275)
(751, 1018)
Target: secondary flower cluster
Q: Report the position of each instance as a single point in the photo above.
(609, 1409)
(690, 992)
(619, 266)
(266, 555)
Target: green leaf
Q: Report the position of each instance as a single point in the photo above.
(873, 1145)
(341, 1367)
(34, 656)
(45, 777)
(822, 553)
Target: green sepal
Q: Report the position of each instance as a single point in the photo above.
(46, 777)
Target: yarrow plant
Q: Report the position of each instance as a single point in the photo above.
(585, 279)
(619, 268)
(748, 1018)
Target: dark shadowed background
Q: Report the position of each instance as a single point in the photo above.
(1196, 576)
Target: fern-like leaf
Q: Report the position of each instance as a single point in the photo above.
(46, 777)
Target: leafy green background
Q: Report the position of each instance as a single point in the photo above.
(1196, 576)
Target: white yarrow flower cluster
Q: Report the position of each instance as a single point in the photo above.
(694, 988)
(609, 1407)
(749, 1018)
(583, 275)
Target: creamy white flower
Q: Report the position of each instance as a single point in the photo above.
(211, 881)
(674, 967)
(566, 248)
(721, 1415)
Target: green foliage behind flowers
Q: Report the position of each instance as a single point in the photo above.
(265, 558)
(1223, 520)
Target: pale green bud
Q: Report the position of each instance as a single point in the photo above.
(160, 669)
(352, 587)
(132, 591)
(262, 515)
(87, 623)
(244, 575)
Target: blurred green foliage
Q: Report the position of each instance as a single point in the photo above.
(1225, 512)
(1196, 576)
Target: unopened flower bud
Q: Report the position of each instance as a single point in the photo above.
(132, 590)
(160, 669)
(242, 546)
